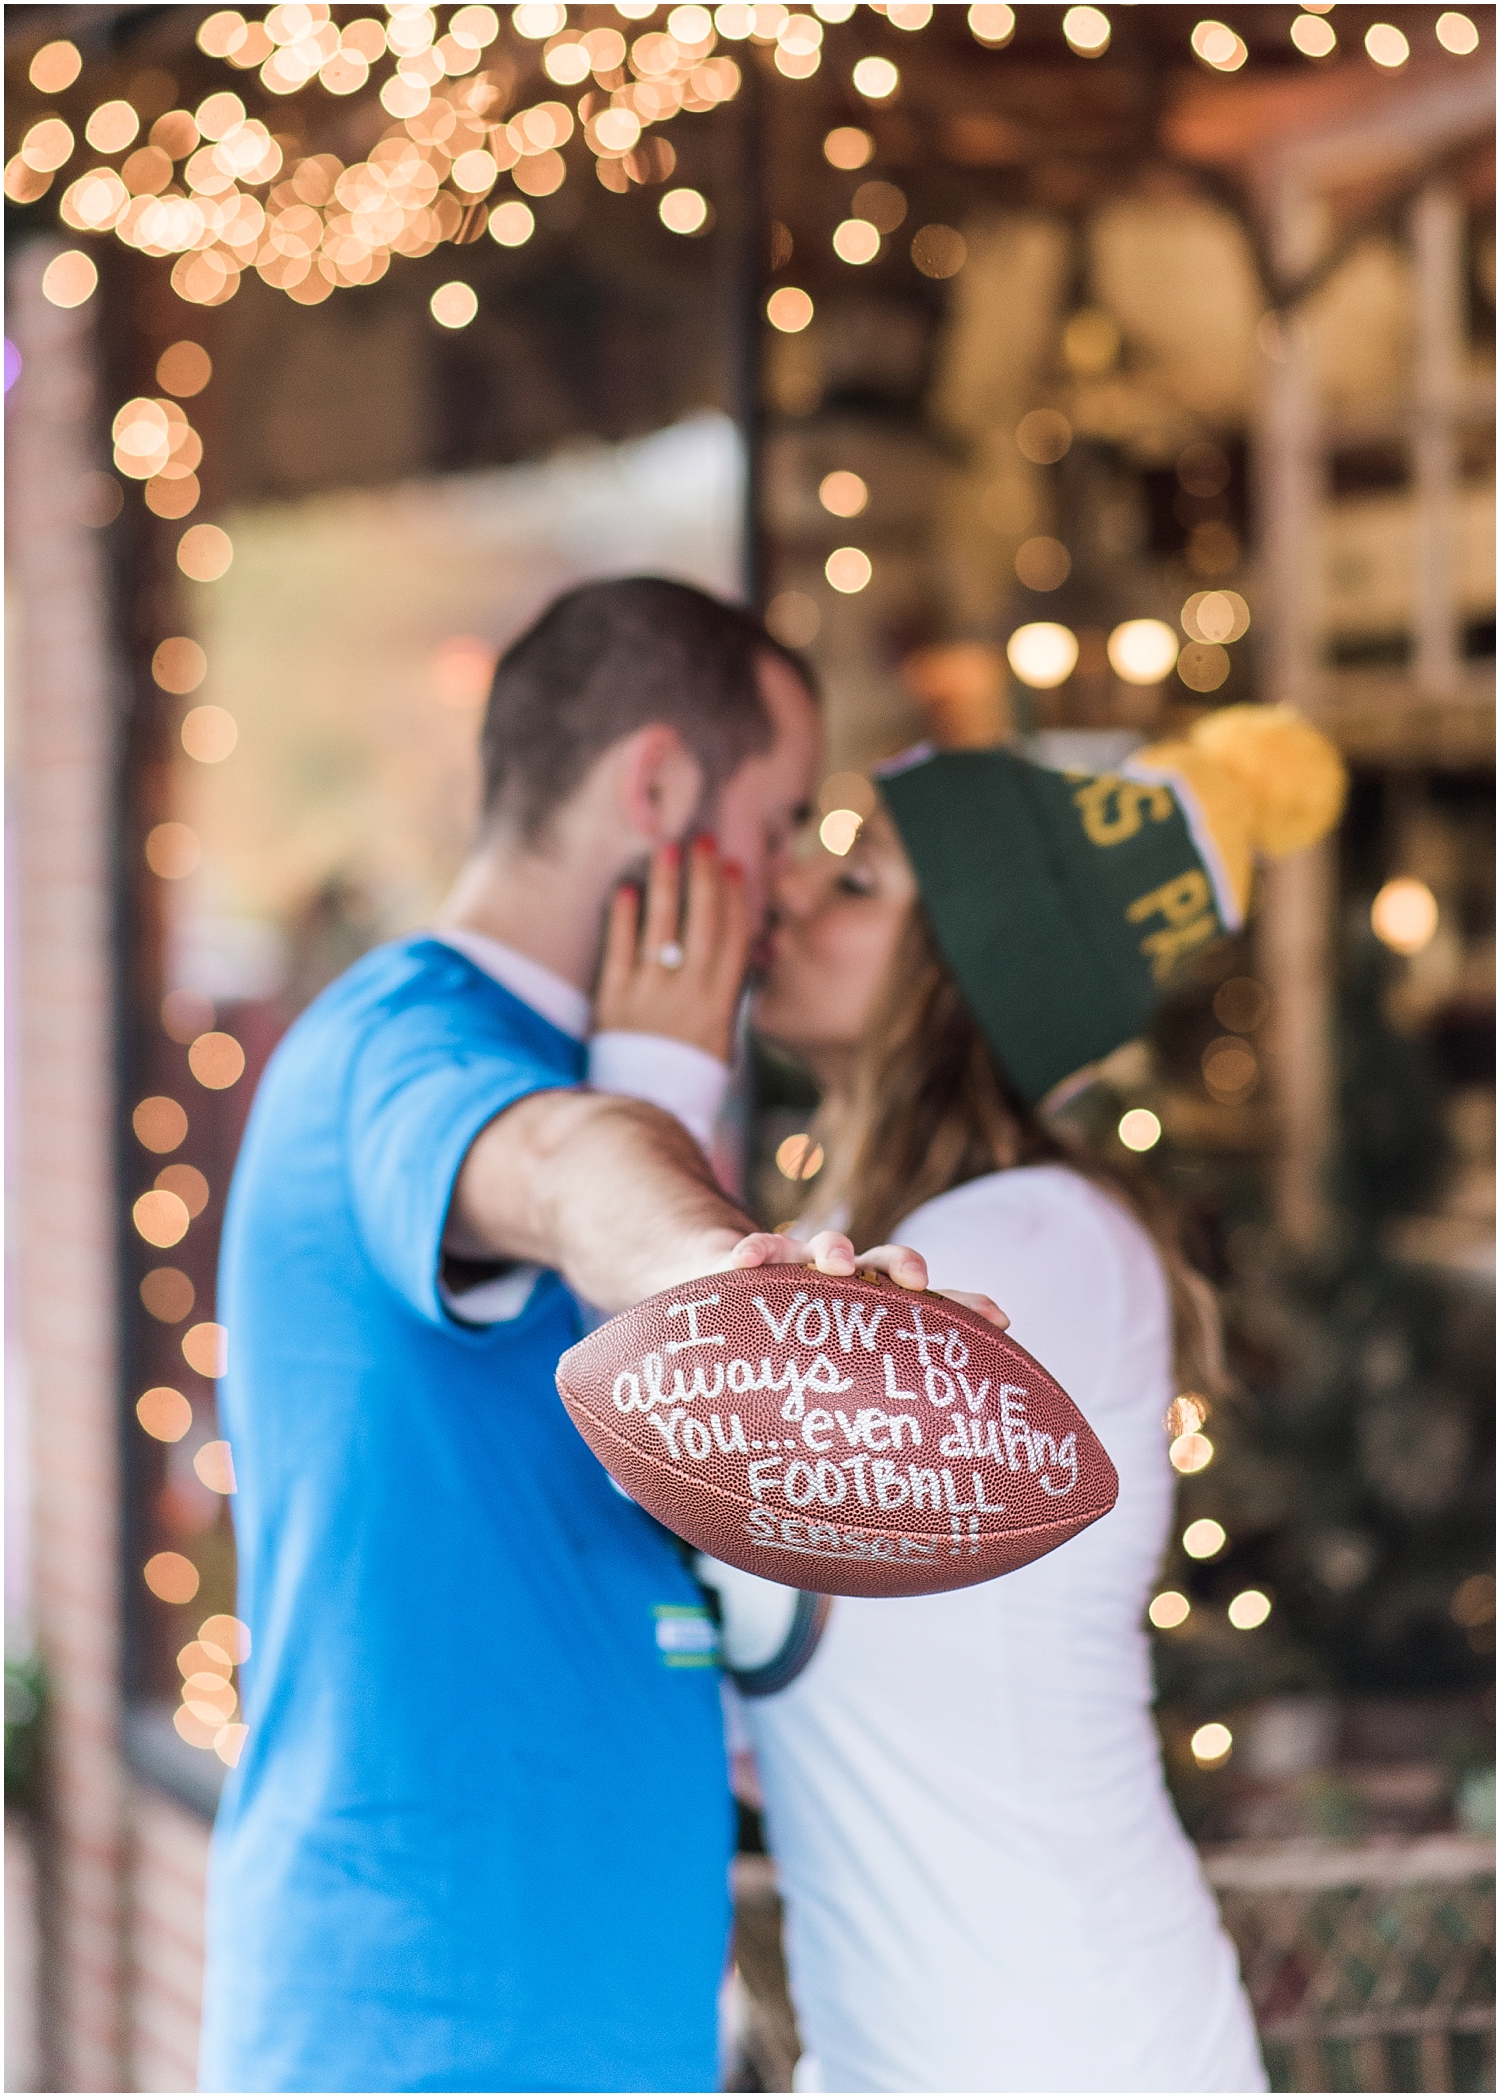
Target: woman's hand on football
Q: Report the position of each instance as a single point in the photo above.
(831, 1252)
(675, 972)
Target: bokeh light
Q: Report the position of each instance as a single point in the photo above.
(1142, 651)
(1086, 31)
(794, 618)
(188, 1184)
(1169, 1609)
(171, 1577)
(789, 309)
(229, 1744)
(214, 1464)
(512, 223)
(1218, 46)
(55, 67)
(1043, 564)
(1211, 1745)
(168, 1294)
(172, 851)
(209, 734)
(1043, 436)
(217, 1061)
(1204, 1538)
(1190, 1453)
(1386, 45)
(70, 278)
(994, 26)
(843, 494)
(838, 830)
(799, 1158)
(205, 552)
(1203, 666)
(939, 251)
(161, 1217)
(164, 1413)
(226, 1635)
(1139, 1129)
(856, 241)
(206, 1348)
(1215, 616)
(1091, 341)
(876, 79)
(1249, 1609)
(848, 569)
(1456, 33)
(1314, 37)
(1186, 1414)
(1042, 654)
(160, 1124)
(454, 305)
(1231, 1070)
(179, 665)
(47, 146)
(683, 211)
(848, 147)
(1404, 915)
(112, 127)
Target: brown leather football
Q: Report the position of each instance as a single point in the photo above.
(844, 1436)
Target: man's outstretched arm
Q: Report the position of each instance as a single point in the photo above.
(618, 1198)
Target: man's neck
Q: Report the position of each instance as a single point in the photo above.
(539, 906)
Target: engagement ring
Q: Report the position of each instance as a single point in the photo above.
(670, 956)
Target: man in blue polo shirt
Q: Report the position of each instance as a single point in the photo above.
(479, 1834)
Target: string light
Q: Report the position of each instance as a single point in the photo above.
(1314, 37)
(70, 278)
(848, 569)
(1042, 654)
(843, 494)
(1086, 31)
(1139, 1129)
(1204, 1538)
(1211, 1745)
(1142, 651)
(1456, 33)
(993, 26)
(1386, 45)
(1169, 1609)
(1404, 915)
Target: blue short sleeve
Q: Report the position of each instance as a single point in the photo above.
(427, 1079)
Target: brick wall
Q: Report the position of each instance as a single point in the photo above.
(120, 1870)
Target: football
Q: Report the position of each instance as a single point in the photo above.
(847, 1437)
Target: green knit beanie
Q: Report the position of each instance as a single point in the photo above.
(1063, 901)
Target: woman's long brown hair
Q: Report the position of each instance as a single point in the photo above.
(931, 1108)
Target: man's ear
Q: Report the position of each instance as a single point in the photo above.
(659, 784)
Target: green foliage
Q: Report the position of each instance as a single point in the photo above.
(25, 1711)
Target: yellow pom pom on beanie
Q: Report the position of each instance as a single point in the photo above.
(1266, 782)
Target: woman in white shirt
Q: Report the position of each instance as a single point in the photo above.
(986, 1885)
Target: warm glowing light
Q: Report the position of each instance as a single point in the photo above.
(1139, 1129)
(882, 204)
(1043, 564)
(843, 494)
(57, 66)
(1219, 47)
(70, 278)
(1386, 45)
(799, 1158)
(512, 223)
(848, 147)
(454, 305)
(1091, 342)
(541, 174)
(179, 665)
(838, 830)
(536, 21)
(204, 552)
(217, 115)
(1249, 1610)
(939, 251)
(173, 498)
(876, 79)
(1087, 31)
(161, 1217)
(222, 33)
(856, 240)
(168, 1294)
(229, 1741)
(683, 211)
(1142, 651)
(475, 172)
(1230, 1069)
(690, 25)
(1473, 1601)
(794, 618)
(172, 851)
(214, 1464)
(226, 1635)
(1186, 1414)
(567, 63)
(198, 1659)
(992, 25)
(1043, 436)
(111, 127)
(159, 1123)
(789, 309)
(171, 1577)
(834, 10)
(1404, 915)
(209, 734)
(1215, 616)
(1211, 1745)
(164, 1413)
(908, 14)
(1313, 37)
(1169, 1609)
(47, 145)
(1456, 33)
(614, 130)
(848, 569)
(193, 1729)
(209, 1697)
(188, 1184)
(1204, 1538)
(217, 1061)
(206, 1349)
(1190, 1453)
(1203, 666)
(1042, 654)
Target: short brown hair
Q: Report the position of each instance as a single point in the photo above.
(610, 658)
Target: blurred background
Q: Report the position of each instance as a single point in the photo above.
(1049, 376)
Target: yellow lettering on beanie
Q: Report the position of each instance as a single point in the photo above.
(1186, 902)
(1112, 807)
